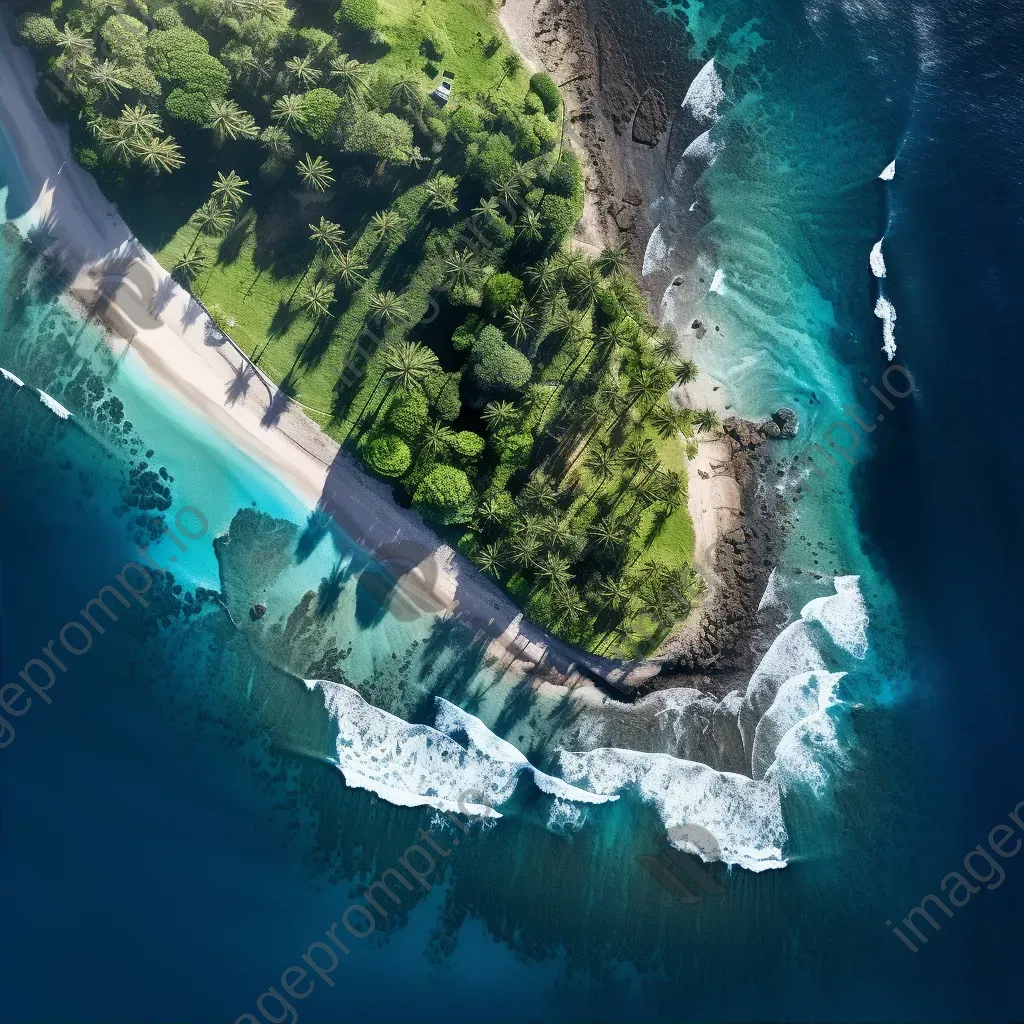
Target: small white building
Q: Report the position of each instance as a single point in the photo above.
(443, 92)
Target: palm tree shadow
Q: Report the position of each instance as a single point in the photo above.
(284, 316)
(280, 402)
(318, 523)
(238, 388)
(331, 587)
(162, 295)
(519, 703)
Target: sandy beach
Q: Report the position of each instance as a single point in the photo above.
(169, 332)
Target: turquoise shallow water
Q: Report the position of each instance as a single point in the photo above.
(178, 809)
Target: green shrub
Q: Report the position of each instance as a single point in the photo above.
(493, 160)
(442, 390)
(465, 123)
(608, 309)
(437, 129)
(314, 42)
(501, 293)
(319, 110)
(467, 445)
(544, 86)
(533, 104)
(384, 136)
(558, 217)
(464, 337)
(87, 157)
(497, 371)
(445, 496)
(182, 56)
(188, 106)
(38, 30)
(386, 454)
(126, 37)
(566, 178)
(408, 413)
(361, 14)
(167, 17)
(514, 450)
(545, 130)
(629, 296)
(497, 230)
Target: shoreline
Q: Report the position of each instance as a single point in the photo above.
(186, 354)
(607, 98)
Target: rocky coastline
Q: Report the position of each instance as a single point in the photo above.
(626, 122)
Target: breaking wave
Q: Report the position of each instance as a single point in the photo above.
(876, 260)
(888, 172)
(886, 312)
(7, 375)
(54, 406)
(655, 253)
(417, 765)
(705, 94)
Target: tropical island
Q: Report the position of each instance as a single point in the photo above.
(376, 202)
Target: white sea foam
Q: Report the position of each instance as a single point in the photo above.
(886, 312)
(7, 375)
(54, 406)
(770, 598)
(876, 260)
(888, 172)
(416, 765)
(743, 815)
(692, 207)
(798, 698)
(843, 615)
(718, 282)
(451, 719)
(703, 148)
(806, 752)
(655, 253)
(705, 94)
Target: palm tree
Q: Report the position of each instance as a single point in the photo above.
(499, 414)
(326, 236)
(684, 371)
(665, 345)
(74, 44)
(277, 142)
(108, 77)
(586, 285)
(490, 511)
(639, 454)
(487, 208)
(348, 268)
(612, 261)
(159, 155)
(229, 190)
(405, 93)
(316, 300)
(517, 320)
(350, 75)
(229, 121)
(666, 420)
(387, 224)
(539, 493)
(608, 533)
(441, 194)
(138, 122)
(288, 110)
(210, 218)
(436, 438)
(601, 464)
(615, 592)
(525, 550)
(461, 269)
(507, 189)
(301, 69)
(510, 65)
(315, 173)
(707, 420)
(531, 227)
(407, 364)
(569, 607)
(387, 308)
(189, 267)
(490, 558)
(556, 570)
(557, 531)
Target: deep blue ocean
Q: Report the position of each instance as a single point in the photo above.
(191, 811)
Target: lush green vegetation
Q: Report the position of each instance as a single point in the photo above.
(405, 272)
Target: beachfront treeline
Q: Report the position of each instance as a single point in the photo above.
(299, 174)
